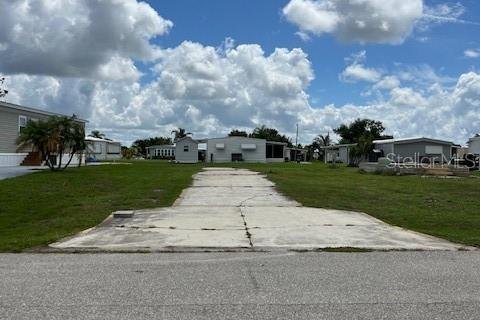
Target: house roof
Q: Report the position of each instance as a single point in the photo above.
(473, 139)
(99, 139)
(335, 146)
(28, 109)
(161, 146)
(412, 140)
(276, 142)
(186, 138)
(235, 137)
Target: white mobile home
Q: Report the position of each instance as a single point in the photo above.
(164, 151)
(415, 149)
(186, 150)
(474, 145)
(339, 153)
(246, 149)
(102, 149)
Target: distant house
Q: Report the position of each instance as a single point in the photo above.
(339, 153)
(186, 150)
(235, 148)
(13, 118)
(294, 154)
(474, 145)
(102, 149)
(415, 149)
(163, 151)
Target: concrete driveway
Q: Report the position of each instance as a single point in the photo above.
(238, 209)
(15, 171)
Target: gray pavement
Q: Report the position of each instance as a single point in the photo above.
(378, 285)
(15, 171)
(238, 209)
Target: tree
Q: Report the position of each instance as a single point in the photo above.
(97, 134)
(323, 140)
(180, 133)
(362, 132)
(269, 134)
(237, 133)
(128, 153)
(363, 147)
(317, 144)
(352, 132)
(54, 138)
(3, 92)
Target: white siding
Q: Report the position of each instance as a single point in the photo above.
(11, 159)
(186, 151)
(254, 152)
(474, 145)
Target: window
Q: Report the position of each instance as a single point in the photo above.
(185, 148)
(22, 123)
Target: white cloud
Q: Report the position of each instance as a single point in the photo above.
(387, 82)
(443, 13)
(472, 53)
(202, 88)
(244, 87)
(357, 71)
(94, 39)
(356, 20)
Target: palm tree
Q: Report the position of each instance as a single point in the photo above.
(97, 134)
(180, 133)
(40, 135)
(323, 140)
(54, 137)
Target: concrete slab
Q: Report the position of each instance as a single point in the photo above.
(224, 205)
(233, 196)
(186, 218)
(160, 229)
(237, 180)
(152, 239)
(311, 228)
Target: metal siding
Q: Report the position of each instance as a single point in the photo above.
(418, 148)
(386, 147)
(234, 145)
(188, 157)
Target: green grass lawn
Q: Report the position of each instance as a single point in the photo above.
(42, 207)
(447, 208)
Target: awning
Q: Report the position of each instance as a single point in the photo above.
(249, 146)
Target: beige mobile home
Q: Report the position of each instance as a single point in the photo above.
(13, 118)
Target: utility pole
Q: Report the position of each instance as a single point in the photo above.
(296, 145)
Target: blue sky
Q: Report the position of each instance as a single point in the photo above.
(136, 69)
(210, 22)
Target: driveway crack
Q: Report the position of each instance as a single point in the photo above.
(247, 230)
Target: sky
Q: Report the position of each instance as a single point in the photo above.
(137, 69)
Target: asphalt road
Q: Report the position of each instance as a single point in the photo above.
(377, 285)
